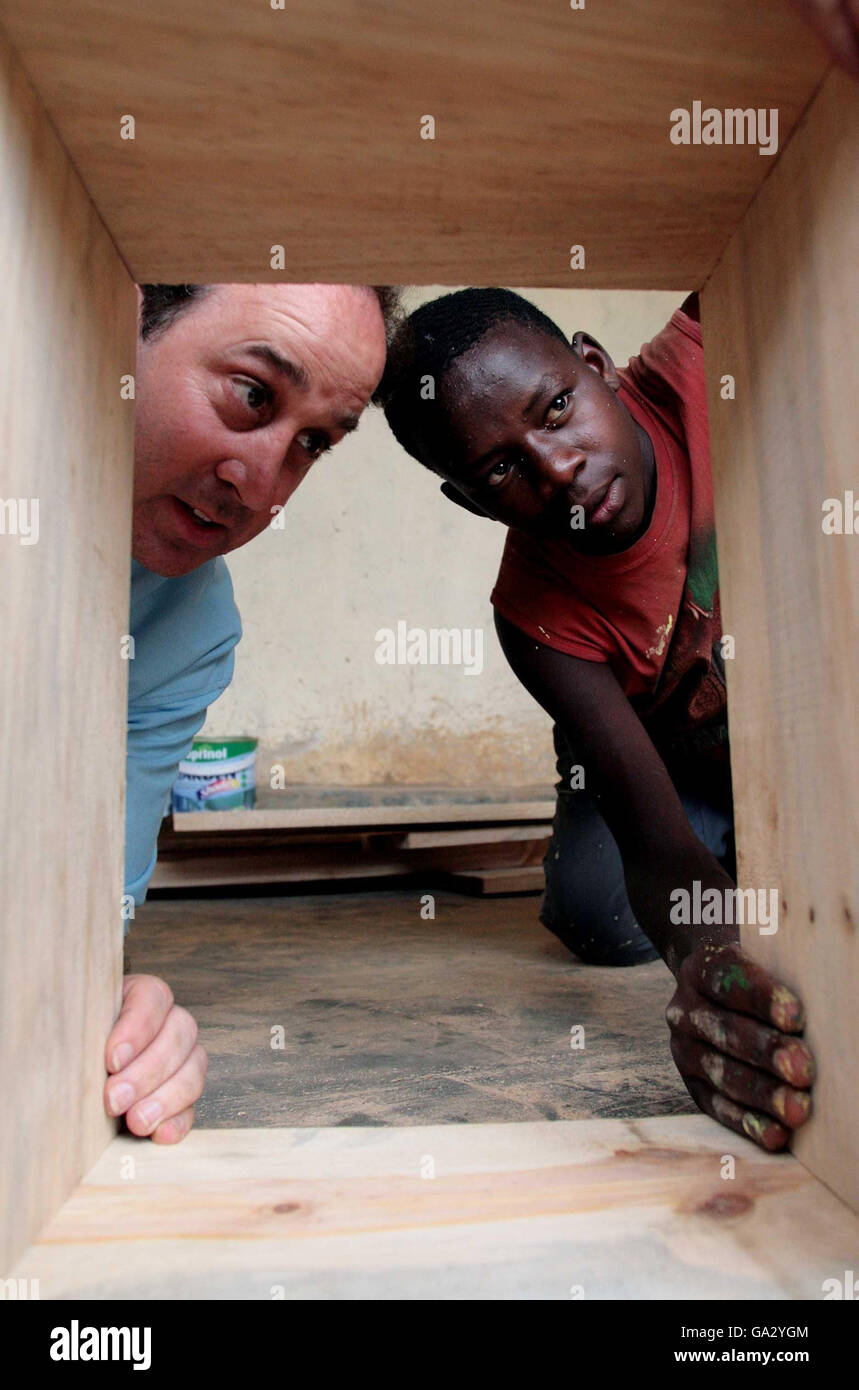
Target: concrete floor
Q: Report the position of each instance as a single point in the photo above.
(390, 1019)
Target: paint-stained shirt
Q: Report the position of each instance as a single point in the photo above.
(184, 633)
(651, 612)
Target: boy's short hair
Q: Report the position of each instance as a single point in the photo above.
(428, 342)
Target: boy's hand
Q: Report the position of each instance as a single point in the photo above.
(158, 1067)
(732, 1038)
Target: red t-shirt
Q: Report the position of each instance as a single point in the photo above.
(652, 611)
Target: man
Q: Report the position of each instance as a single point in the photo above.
(239, 389)
(607, 608)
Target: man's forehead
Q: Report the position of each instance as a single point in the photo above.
(316, 314)
(324, 333)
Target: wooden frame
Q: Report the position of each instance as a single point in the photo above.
(780, 316)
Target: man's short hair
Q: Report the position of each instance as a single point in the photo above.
(162, 305)
(428, 342)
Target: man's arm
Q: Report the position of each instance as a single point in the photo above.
(732, 1023)
(156, 1066)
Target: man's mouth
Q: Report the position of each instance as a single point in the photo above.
(196, 525)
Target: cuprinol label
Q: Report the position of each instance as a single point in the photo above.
(205, 750)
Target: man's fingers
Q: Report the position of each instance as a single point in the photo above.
(745, 1085)
(155, 1064)
(767, 1133)
(146, 1003)
(169, 1100)
(171, 1131)
(730, 978)
(748, 1041)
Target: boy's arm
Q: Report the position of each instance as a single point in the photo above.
(732, 1023)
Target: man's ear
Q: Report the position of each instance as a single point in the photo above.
(595, 355)
(454, 495)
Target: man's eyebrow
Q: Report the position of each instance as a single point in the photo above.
(295, 373)
(282, 365)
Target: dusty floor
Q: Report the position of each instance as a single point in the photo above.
(391, 1019)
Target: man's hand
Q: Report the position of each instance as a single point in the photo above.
(158, 1067)
(733, 1028)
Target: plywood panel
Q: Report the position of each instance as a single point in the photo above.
(301, 127)
(67, 335)
(781, 315)
(609, 1208)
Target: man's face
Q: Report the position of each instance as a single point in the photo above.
(234, 401)
(532, 429)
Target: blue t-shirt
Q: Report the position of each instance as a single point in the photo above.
(184, 633)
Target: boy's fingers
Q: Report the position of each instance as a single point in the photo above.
(730, 978)
(155, 1064)
(750, 1042)
(169, 1100)
(745, 1085)
(761, 1129)
(145, 1005)
(171, 1131)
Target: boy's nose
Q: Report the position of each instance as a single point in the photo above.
(556, 471)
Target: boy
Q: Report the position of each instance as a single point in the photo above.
(607, 609)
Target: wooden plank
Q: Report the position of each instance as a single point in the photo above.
(488, 882)
(612, 1208)
(227, 859)
(362, 817)
(505, 834)
(68, 332)
(314, 142)
(781, 315)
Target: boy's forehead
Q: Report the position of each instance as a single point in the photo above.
(513, 354)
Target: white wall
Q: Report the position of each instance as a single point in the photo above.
(368, 540)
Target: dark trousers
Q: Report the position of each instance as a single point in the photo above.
(585, 904)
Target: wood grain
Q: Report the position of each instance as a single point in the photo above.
(610, 1208)
(301, 128)
(68, 329)
(781, 314)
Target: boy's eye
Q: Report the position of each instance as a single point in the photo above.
(499, 472)
(557, 407)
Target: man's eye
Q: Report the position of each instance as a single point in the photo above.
(557, 407)
(312, 443)
(255, 395)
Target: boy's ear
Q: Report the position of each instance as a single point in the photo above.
(581, 343)
(454, 495)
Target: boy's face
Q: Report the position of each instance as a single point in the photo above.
(532, 429)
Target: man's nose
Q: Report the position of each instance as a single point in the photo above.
(255, 469)
(555, 469)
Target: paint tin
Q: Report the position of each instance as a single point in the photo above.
(217, 775)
